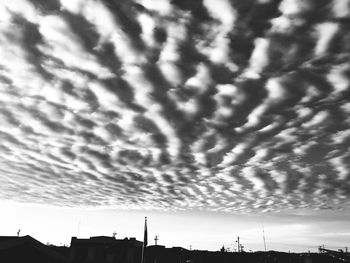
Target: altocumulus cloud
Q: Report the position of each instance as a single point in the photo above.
(223, 105)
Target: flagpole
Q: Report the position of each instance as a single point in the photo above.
(144, 242)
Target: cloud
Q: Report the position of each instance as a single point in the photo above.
(326, 32)
(341, 8)
(259, 58)
(222, 106)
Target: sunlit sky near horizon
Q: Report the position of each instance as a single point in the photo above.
(216, 113)
(295, 230)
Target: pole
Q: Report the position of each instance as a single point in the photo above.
(144, 242)
(143, 248)
(78, 228)
(264, 238)
(238, 249)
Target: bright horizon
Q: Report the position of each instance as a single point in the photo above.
(295, 231)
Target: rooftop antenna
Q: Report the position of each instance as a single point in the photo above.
(156, 239)
(238, 245)
(19, 231)
(78, 228)
(263, 235)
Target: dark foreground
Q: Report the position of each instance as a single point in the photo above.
(110, 250)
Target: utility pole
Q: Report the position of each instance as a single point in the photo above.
(238, 245)
(78, 229)
(264, 237)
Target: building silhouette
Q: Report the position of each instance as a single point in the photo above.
(15, 249)
(104, 249)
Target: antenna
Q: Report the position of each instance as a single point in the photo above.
(144, 245)
(78, 228)
(156, 239)
(263, 235)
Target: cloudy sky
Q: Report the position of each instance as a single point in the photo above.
(200, 110)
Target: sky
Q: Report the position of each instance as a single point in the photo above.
(294, 230)
(220, 117)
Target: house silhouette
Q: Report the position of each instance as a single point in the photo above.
(15, 249)
(104, 249)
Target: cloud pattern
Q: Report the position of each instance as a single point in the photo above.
(223, 105)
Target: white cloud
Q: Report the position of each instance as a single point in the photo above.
(219, 50)
(302, 149)
(73, 6)
(64, 45)
(276, 94)
(221, 10)
(92, 121)
(251, 175)
(171, 72)
(341, 8)
(110, 32)
(148, 25)
(259, 58)
(293, 7)
(339, 165)
(176, 34)
(260, 155)
(201, 80)
(23, 7)
(234, 154)
(326, 32)
(337, 77)
(318, 118)
(163, 7)
(288, 135)
(341, 136)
